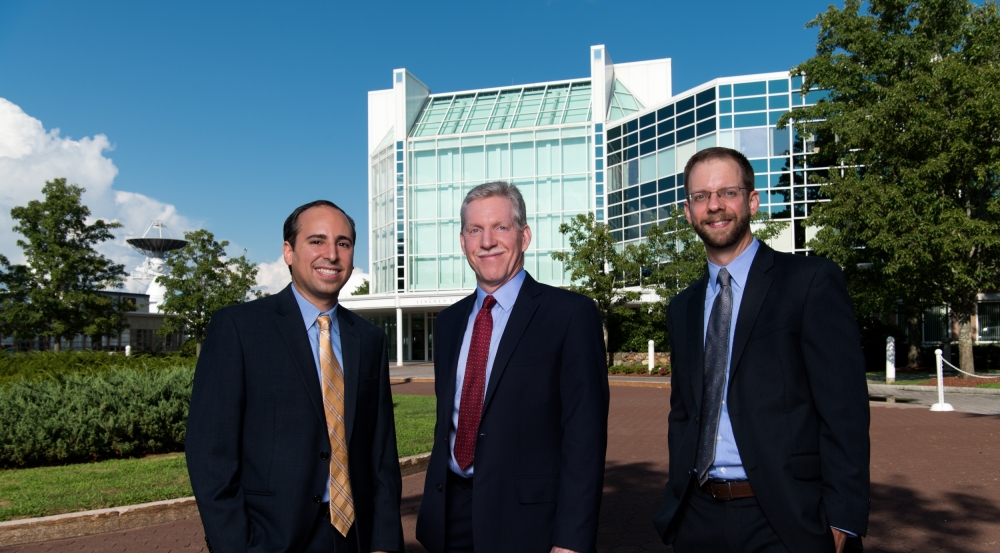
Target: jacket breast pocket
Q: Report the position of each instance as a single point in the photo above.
(806, 467)
(537, 489)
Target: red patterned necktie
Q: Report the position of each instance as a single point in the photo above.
(474, 386)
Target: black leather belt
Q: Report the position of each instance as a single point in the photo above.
(727, 490)
(461, 480)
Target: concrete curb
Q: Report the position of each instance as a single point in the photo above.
(665, 383)
(888, 388)
(116, 519)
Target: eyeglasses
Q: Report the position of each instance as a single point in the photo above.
(725, 194)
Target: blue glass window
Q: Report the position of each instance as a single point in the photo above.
(600, 201)
(750, 120)
(615, 211)
(648, 202)
(667, 197)
(599, 164)
(632, 153)
(599, 127)
(780, 195)
(632, 173)
(800, 210)
(725, 91)
(648, 188)
(615, 197)
(779, 164)
(632, 139)
(777, 102)
(632, 233)
(760, 182)
(680, 181)
(685, 119)
(772, 118)
(600, 214)
(749, 89)
(399, 167)
(781, 212)
(631, 126)
(706, 111)
(799, 194)
(614, 145)
(663, 212)
(615, 223)
(817, 95)
(399, 145)
(705, 96)
(614, 132)
(778, 180)
(665, 141)
(686, 133)
(647, 133)
(685, 104)
(648, 216)
(598, 139)
(631, 192)
(599, 151)
(665, 126)
(725, 106)
(399, 155)
(600, 189)
(647, 120)
(666, 183)
(631, 207)
(647, 147)
(600, 176)
(726, 122)
(780, 85)
(796, 83)
(750, 104)
(665, 112)
(759, 165)
(616, 235)
(706, 126)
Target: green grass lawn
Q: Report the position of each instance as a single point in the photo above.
(45, 491)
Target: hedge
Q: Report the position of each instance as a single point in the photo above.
(122, 412)
(41, 365)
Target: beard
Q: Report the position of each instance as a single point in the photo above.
(739, 229)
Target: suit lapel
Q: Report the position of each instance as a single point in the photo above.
(754, 292)
(450, 365)
(696, 336)
(293, 333)
(350, 350)
(524, 308)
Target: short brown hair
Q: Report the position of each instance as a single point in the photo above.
(719, 152)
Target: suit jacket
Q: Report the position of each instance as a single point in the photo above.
(257, 445)
(798, 400)
(539, 459)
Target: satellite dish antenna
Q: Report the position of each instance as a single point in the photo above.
(155, 248)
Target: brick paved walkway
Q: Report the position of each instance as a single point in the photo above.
(935, 484)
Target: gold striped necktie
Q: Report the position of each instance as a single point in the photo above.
(341, 500)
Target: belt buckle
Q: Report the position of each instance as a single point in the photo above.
(729, 488)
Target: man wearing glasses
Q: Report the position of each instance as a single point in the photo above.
(768, 424)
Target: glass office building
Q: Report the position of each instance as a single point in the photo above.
(613, 143)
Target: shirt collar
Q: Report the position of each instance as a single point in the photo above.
(505, 295)
(738, 269)
(310, 312)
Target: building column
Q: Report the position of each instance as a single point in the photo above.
(399, 337)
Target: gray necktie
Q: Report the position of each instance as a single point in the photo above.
(716, 361)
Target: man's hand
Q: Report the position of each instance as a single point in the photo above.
(839, 539)
(561, 550)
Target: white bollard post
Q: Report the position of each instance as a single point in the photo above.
(399, 337)
(940, 405)
(652, 354)
(890, 360)
(128, 351)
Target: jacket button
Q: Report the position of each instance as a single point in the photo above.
(439, 487)
(317, 498)
(696, 420)
(324, 455)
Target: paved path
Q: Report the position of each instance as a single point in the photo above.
(935, 484)
(981, 404)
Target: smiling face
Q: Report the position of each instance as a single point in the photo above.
(492, 242)
(322, 258)
(724, 225)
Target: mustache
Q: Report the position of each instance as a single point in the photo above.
(494, 251)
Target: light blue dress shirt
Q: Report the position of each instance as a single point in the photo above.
(505, 296)
(728, 464)
(309, 315)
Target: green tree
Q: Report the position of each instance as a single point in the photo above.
(913, 119)
(600, 268)
(362, 290)
(201, 281)
(17, 319)
(56, 293)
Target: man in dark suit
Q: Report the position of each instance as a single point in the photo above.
(768, 425)
(291, 444)
(521, 381)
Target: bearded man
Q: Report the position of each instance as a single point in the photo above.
(768, 424)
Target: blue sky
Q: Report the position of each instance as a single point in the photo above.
(235, 113)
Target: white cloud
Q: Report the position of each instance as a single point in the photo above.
(30, 156)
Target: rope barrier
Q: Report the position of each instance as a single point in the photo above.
(946, 362)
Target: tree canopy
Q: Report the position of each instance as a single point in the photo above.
(201, 281)
(56, 293)
(912, 120)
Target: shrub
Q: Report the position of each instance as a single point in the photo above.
(662, 370)
(122, 412)
(41, 365)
